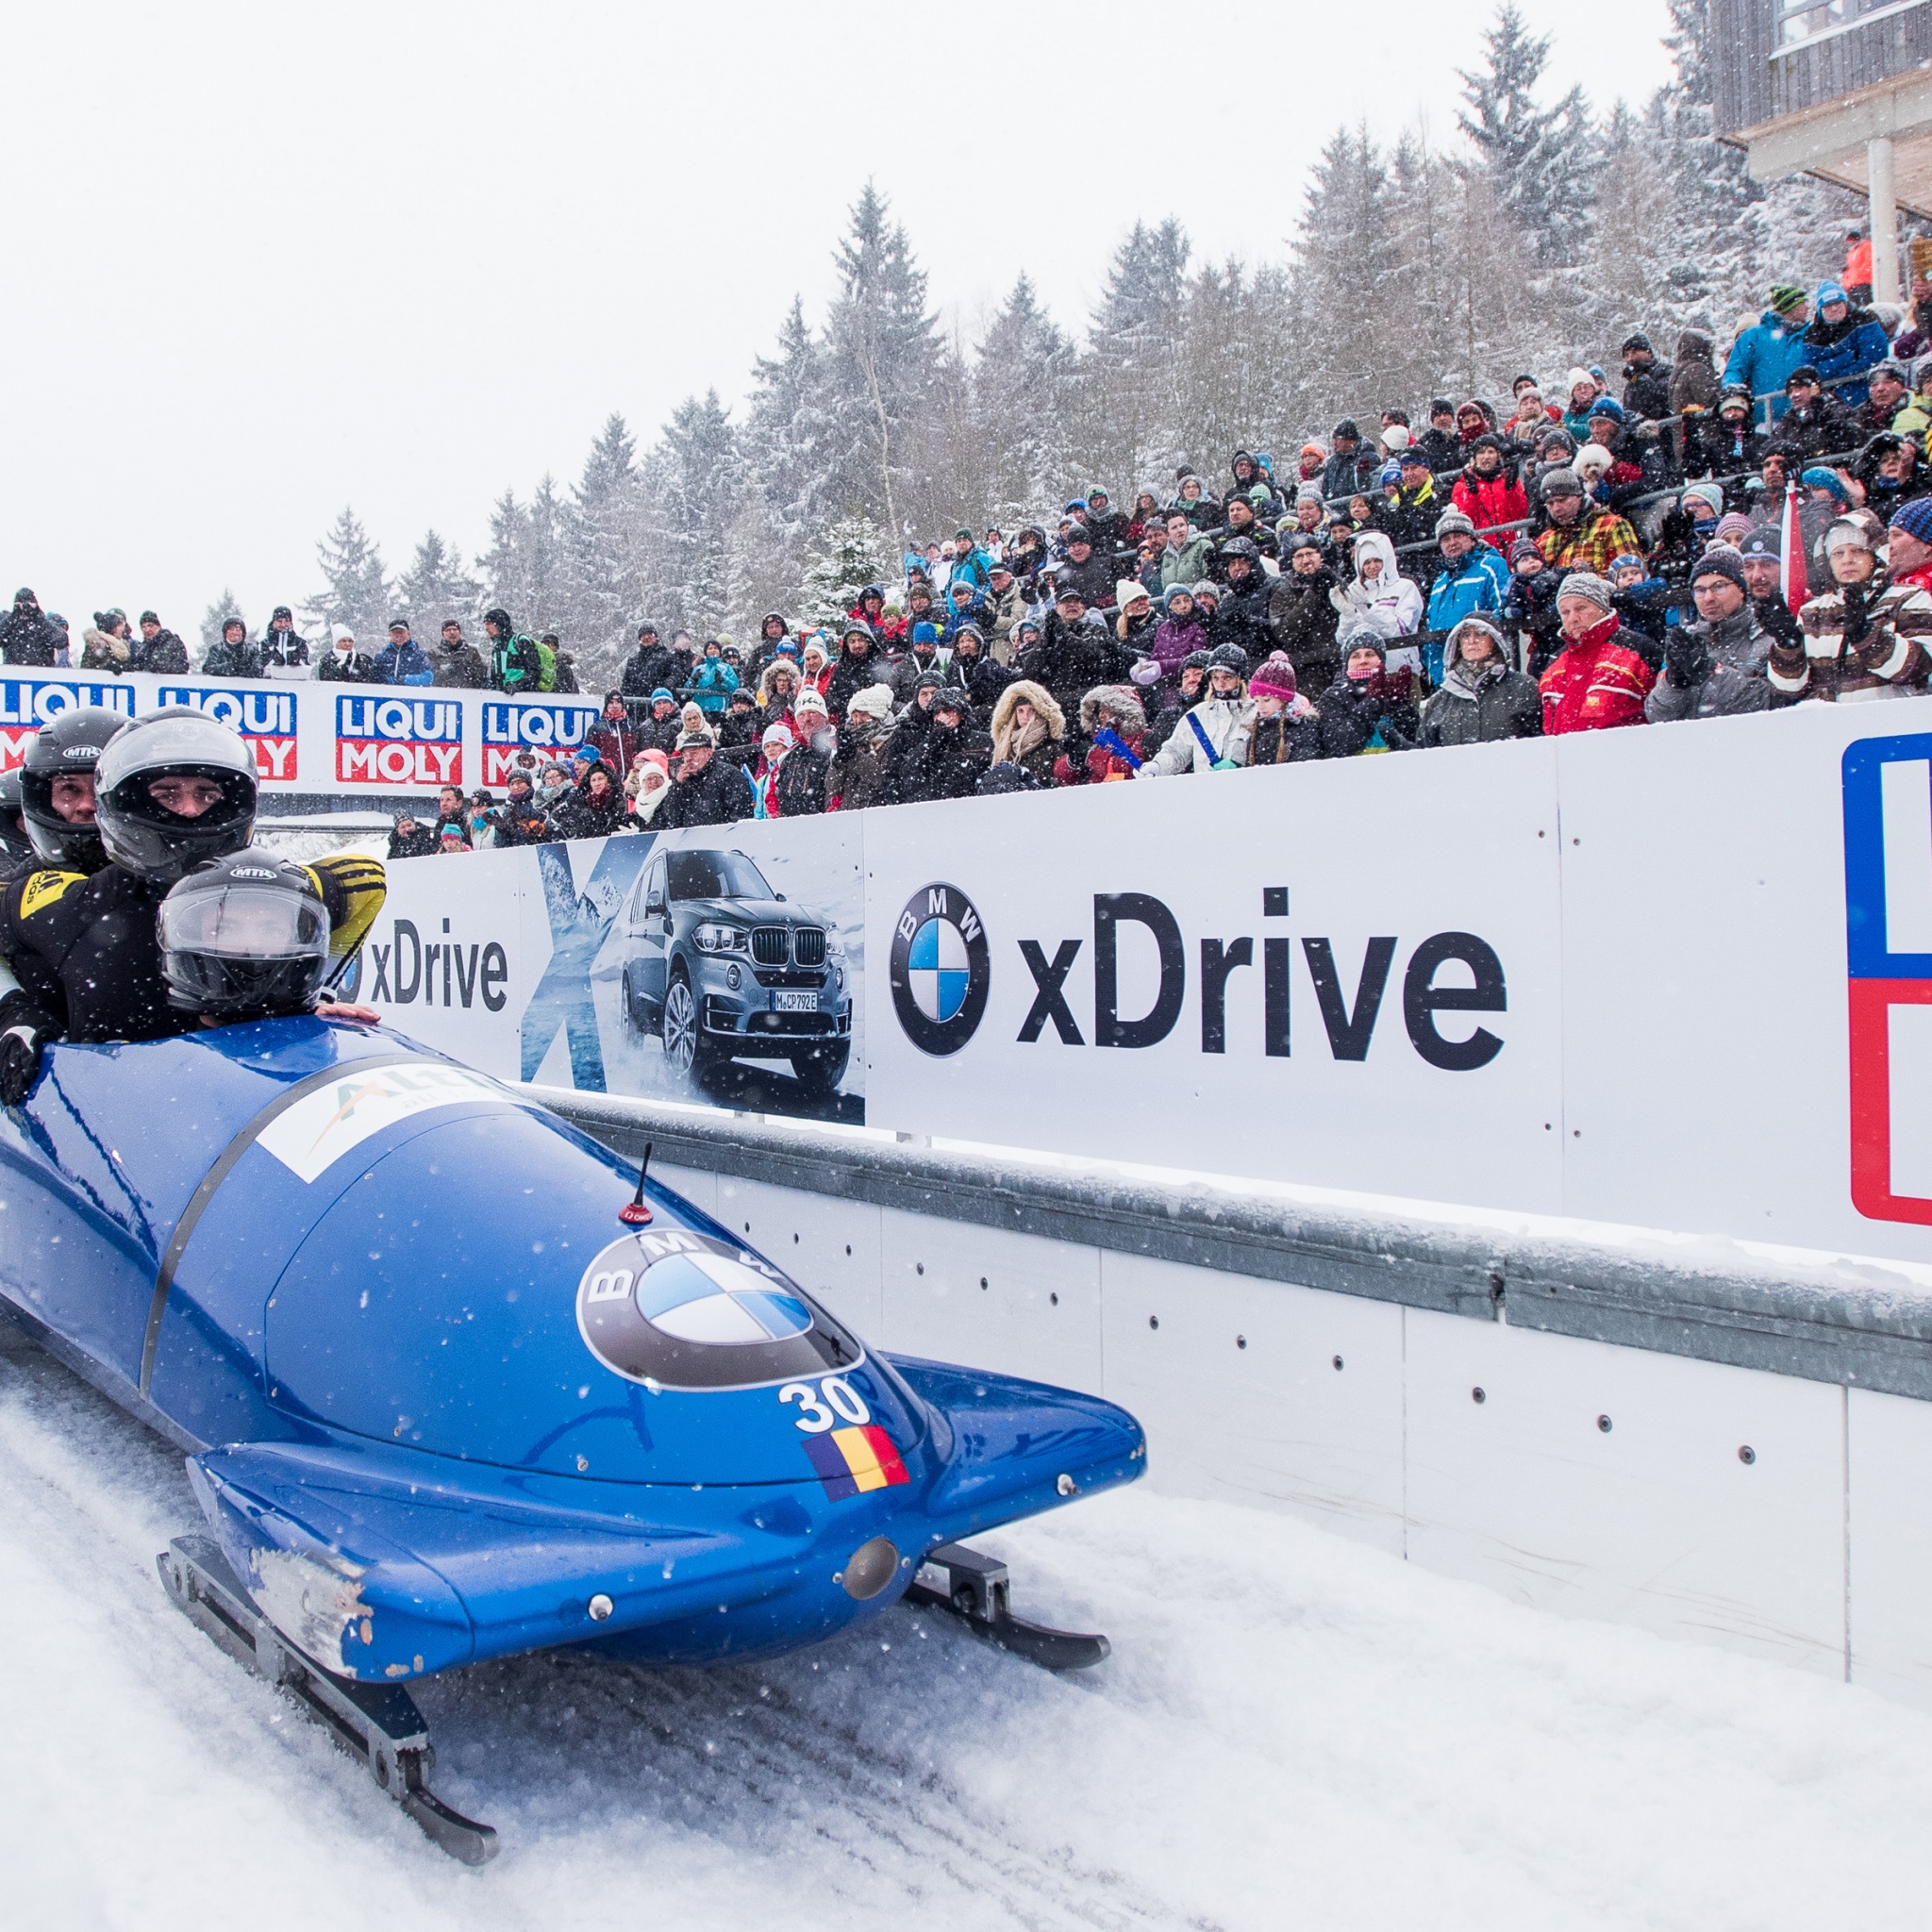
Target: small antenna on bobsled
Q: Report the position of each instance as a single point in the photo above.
(634, 1213)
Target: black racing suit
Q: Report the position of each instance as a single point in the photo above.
(87, 960)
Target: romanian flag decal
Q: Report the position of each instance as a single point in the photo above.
(852, 1460)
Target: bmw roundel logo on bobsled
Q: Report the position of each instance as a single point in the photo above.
(939, 969)
(682, 1311)
(424, 1431)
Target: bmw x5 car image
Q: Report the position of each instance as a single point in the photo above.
(721, 967)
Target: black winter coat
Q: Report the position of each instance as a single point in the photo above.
(167, 655)
(1284, 741)
(719, 795)
(224, 660)
(1241, 617)
(27, 637)
(1095, 579)
(951, 760)
(1647, 391)
(648, 669)
(1352, 473)
(1303, 621)
(1823, 428)
(802, 782)
(461, 669)
(1071, 660)
(331, 667)
(1354, 710)
(982, 680)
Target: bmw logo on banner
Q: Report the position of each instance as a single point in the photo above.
(939, 969)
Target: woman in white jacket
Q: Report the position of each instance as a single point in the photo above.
(1213, 735)
(1380, 593)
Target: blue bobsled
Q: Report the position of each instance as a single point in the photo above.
(442, 1404)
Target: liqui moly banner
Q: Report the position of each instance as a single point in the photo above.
(547, 728)
(411, 744)
(29, 700)
(1678, 976)
(373, 741)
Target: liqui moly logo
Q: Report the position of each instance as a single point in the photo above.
(264, 715)
(546, 729)
(411, 744)
(1888, 811)
(28, 703)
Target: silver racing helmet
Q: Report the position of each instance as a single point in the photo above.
(243, 936)
(173, 789)
(68, 746)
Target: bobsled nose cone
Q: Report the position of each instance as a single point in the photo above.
(872, 1565)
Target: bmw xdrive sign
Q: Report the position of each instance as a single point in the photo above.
(939, 970)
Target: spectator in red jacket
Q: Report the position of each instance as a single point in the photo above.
(1597, 681)
(613, 735)
(1489, 492)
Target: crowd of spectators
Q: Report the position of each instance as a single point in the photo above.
(1591, 554)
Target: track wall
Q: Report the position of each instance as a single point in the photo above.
(1764, 1481)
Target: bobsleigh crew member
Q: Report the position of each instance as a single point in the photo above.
(172, 791)
(57, 807)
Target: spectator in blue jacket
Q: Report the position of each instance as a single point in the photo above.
(1474, 577)
(1843, 343)
(1764, 356)
(713, 680)
(403, 660)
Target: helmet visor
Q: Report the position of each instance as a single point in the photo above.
(245, 922)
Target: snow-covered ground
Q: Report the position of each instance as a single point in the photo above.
(1293, 1732)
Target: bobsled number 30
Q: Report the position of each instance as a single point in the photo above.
(455, 1383)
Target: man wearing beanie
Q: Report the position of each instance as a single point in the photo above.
(1582, 535)
(1474, 577)
(1597, 682)
(1909, 544)
(1714, 664)
(1763, 357)
(1865, 637)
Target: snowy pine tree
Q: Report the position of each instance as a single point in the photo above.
(1019, 370)
(356, 588)
(695, 482)
(1542, 161)
(599, 600)
(852, 553)
(435, 588)
(882, 356)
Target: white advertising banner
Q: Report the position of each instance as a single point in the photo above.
(1679, 978)
(1355, 982)
(357, 739)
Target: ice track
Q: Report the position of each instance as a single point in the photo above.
(1293, 1732)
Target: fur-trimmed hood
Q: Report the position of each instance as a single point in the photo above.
(1128, 714)
(1027, 691)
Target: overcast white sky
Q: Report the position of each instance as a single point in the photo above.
(263, 262)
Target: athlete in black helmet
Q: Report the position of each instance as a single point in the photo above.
(245, 937)
(173, 790)
(56, 787)
(13, 841)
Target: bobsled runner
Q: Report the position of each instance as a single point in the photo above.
(455, 1382)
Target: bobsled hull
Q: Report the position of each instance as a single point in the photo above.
(442, 1404)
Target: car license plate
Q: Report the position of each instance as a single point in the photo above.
(794, 1003)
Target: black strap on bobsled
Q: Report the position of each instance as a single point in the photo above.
(211, 1186)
